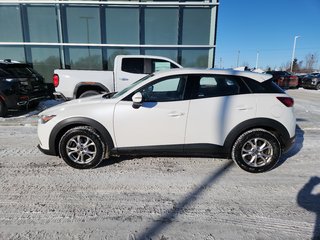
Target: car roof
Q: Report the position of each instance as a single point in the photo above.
(9, 61)
(260, 77)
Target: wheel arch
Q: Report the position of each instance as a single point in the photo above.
(87, 86)
(65, 125)
(275, 127)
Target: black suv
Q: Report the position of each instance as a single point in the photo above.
(311, 81)
(20, 86)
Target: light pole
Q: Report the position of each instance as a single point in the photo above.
(238, 58)
(293, 51)
(257, 59)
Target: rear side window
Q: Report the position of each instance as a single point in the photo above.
(133, 65)
(18, 71)
(265, 87)
(160, 65)
(145, 65)
(207, 86)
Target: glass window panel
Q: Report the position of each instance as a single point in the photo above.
(42, 24)
(45, 60)
(85, 58)
(195, 58)
(167, 90)
(13, 53)
(10, 24)
(83, 25)
(196, 26)
(169, 53)
(161, 26)
(113, 52)
(124, 29)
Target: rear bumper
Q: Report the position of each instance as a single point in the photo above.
(288, 83)
(32, 100)
(59, 95)
(23, 101)
(288, 144)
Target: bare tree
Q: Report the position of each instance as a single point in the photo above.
(311, 61)
(297, 66)
(285, 66)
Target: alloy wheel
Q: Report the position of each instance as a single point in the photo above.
(81, 149)
(257, 152)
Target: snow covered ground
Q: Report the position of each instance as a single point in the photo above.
(159, 198)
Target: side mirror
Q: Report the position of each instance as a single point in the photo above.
(137, 100)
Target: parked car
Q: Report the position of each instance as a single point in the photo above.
(242, 115)
(284, 79)
(300, 77)
(20, 86)
(70, 84)
(311, 81)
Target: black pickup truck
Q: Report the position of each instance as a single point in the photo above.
(20, 86)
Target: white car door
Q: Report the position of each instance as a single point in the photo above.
(217, 107)
(160, 121)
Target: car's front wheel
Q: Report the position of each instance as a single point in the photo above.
(256, 151)
(82, 148)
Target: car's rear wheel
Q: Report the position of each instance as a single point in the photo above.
(256, 151)
(318, 86)
(3, 109)
(82, 148)
(89, 93)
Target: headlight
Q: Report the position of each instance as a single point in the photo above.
(314, 80)
(45, 118)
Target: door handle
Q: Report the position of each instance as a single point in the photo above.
(124, 79)
(243, 107)
(176, 114)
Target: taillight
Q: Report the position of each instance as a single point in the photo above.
(55, 80)
(287, 101)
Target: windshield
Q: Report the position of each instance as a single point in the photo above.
(123, 91)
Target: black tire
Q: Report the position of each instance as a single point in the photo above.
(318, 86)
(89, 93)
(82, 148)
(3, 109)
(247, 154)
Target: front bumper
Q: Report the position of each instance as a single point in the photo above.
(308, 85)
(46, 151)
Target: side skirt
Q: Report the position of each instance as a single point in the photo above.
(196, 150)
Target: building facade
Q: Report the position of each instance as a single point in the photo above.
(89, 34)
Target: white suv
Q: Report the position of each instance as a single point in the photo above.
(180, 112)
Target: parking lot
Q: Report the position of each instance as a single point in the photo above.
(159, 198)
